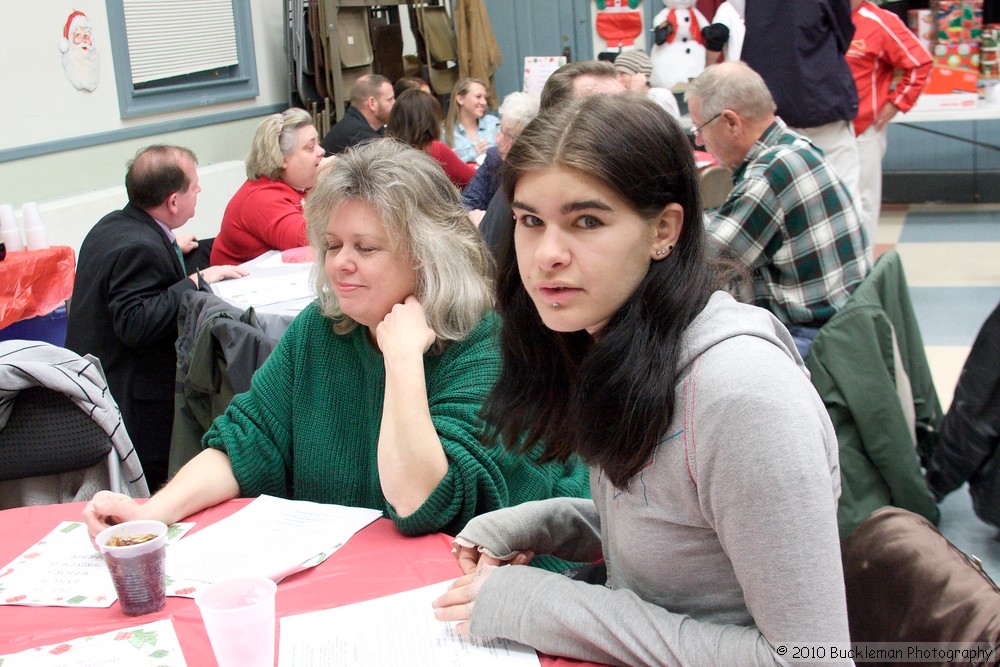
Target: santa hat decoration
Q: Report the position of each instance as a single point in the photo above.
(73, 18)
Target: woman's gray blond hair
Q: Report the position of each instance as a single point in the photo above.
(275, 139)
(423, 216)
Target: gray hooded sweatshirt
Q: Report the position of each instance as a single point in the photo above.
(723, 547)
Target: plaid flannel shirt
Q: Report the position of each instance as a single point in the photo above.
(790, 220)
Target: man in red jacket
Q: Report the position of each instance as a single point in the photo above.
(881, 46)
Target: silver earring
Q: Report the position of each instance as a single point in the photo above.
(661, 251)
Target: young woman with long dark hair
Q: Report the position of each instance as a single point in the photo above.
(714, 468)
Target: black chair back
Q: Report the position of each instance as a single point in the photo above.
(47, 434)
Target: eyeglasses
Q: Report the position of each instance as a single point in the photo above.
(696, 131)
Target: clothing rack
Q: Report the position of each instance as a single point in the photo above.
(329, 44)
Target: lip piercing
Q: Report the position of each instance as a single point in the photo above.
(555, 305)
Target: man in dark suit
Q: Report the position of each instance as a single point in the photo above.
(372, 98)
(129, 282)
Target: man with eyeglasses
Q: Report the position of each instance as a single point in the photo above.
(789, 218)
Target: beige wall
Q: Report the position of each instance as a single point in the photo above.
(60, 174)
(39, 105)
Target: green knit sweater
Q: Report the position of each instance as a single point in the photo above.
(308, 428)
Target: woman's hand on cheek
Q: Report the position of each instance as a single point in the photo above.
(404, 330)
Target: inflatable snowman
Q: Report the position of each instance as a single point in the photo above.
(678, 53)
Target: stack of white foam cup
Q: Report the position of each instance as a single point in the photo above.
(35, 237)
(10, 232)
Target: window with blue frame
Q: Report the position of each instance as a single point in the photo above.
(171, 55)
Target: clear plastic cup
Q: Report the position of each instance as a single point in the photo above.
(137, 570)
(239, 618)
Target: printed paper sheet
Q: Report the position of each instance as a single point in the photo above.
(151, 645)
(393, 630)
(270, 537)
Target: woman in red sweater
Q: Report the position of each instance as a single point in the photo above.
(266, 212)
(415, 119)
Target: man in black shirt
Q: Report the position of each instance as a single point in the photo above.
(371, 100)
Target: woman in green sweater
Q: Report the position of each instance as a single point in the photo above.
(372, 396)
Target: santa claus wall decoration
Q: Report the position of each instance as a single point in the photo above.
(678, 52)
(79, 57)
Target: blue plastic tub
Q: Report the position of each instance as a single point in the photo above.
(50, 328)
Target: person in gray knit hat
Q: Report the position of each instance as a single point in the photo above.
(633, 62)
(633, 69)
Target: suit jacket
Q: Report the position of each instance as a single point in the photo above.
(129, 284)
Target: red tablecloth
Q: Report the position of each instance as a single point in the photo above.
(703, 159)
(375, 562)
(35, 282)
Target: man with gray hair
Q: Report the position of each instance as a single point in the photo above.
(789, 218)
(372, 98)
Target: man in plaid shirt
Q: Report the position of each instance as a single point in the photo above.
(789, 218)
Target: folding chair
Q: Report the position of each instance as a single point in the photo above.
(438, 34)
(61, 435)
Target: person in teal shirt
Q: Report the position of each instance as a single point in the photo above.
(372, 396)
